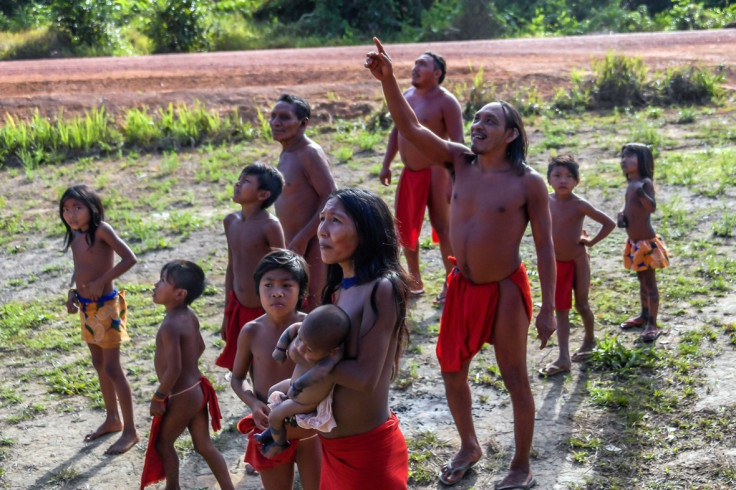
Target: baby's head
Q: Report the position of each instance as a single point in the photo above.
(323, 331)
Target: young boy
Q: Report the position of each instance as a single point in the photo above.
(318, 338)
(251, 233)
(572, 257)
(282, 281)
(183, 393)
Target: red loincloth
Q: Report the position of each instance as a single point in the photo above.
(153, 469)
(253, 454)
(412, 194)
(467, 320)
(237, 315)
(377, 459)
(564, 285)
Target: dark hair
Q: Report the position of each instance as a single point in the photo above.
(269, 179)
(516, 150)
(89, 198)
(375, 257)
(289, 261)
(644, 158)
(439, 64)
(566, 160)
(184, 274)
(301, 106)
(325, 327)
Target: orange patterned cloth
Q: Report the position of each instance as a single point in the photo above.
(646, 254)
(103, 321)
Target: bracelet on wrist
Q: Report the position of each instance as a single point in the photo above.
(158, 396)
(280, 348)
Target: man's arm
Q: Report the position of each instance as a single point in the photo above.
(541, 221)
(437, 150)
(453, 116)
(317, 172)
(392, 148)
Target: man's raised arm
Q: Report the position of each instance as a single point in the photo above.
(432, 146)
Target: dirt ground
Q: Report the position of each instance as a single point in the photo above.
(333, 80)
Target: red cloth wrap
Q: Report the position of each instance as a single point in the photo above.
(411, 201)
(377, 459)
(467, 320)
(236, 316)
(564, 285)
(253, 454)
(153, 468)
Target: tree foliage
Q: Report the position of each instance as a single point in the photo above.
(179, 26)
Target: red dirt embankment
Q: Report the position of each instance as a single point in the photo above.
(332, 79)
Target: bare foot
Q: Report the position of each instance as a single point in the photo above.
(106, 427)
(454, 470)
(125, 442)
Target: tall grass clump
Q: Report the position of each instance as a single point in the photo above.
(687, 85)
(619, 81)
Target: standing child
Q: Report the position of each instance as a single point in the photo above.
(317, 340)
(101, 306)
(645, 251)
(282, 281)
(183, 394)
(251, 233)
(571, 244)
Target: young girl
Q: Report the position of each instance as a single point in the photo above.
(645, 251)
(102, 308)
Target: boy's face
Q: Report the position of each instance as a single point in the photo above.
(562, 180)
(76, 214)
(246, 189)
(279, 292)
(164, 292)
(284, 123)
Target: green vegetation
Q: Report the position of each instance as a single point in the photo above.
(44, 28)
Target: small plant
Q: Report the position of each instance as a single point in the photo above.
(619, 81)
(686, 115)
(612, 355)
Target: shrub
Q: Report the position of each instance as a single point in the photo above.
(688, 85)
(86, 22)
(619, 81)
(179, 26)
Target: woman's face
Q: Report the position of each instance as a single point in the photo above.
(338, 237)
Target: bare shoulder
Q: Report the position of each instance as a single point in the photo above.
(447, 96)
(104, 230)
(229, 219)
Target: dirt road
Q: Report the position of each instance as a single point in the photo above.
(332, 79)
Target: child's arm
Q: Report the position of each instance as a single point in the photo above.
(239, 382)
(170, 339)
(72, 305)
(229, 277)
(279, 353)
(645, 193)
(275, 234)
(607, 224)
(93, 290)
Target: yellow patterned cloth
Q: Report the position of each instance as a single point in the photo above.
(103, 321)
(646, 254)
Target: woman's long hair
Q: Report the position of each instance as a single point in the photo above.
(375, 257)
(89, 198)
